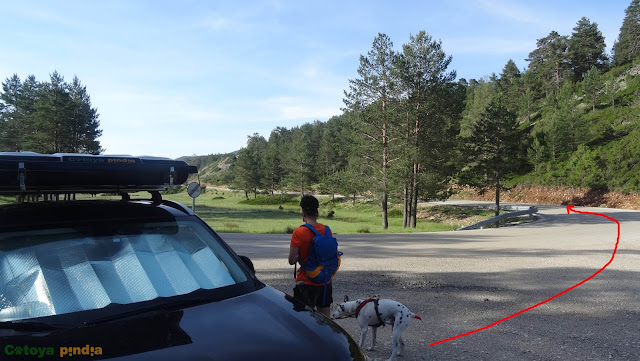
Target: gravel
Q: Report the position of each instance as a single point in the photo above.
(458, 282)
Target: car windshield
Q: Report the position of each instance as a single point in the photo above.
(54, 271)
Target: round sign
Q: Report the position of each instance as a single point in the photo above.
(194, 189)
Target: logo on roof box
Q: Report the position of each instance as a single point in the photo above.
(92, 159)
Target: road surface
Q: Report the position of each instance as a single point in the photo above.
(462, 281)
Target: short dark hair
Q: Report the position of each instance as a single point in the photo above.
(309, 205)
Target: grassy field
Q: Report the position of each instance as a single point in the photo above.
(229, 211)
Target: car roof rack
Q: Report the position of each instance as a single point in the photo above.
(25, 173)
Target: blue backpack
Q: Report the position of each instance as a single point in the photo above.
(323, 260)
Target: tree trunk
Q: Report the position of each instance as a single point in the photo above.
(414, 196)
(407, 206)
(416, 172)
(385, 220)
(497, 193)
(302, 179)
(385, 167)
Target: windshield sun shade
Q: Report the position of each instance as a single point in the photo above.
(83, 273)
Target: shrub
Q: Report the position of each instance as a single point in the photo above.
(174, 190)
(394, 213)
(270, 200)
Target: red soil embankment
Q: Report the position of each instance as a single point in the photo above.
(555, 196)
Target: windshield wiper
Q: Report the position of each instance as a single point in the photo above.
(157, 308)
(26, 325)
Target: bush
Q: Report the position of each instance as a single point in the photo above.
(394, 213)
(270, 200)
(174, 190)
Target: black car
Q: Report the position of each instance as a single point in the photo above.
(139, 280)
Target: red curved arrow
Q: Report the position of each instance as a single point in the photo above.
(569, 210)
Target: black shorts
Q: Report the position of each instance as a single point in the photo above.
(314, 296)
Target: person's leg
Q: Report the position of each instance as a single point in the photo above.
(325, 299)
(304, 293)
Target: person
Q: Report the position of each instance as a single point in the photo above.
(313, 294)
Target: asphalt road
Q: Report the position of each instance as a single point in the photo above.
(462, 281)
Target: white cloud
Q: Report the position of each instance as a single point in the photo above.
(127, 108)
(298, 108)
(510, 10)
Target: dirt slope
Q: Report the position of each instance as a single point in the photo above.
(556, 196)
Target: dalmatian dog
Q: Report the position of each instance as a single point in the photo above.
(376, 312)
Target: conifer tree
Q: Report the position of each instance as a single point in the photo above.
(627, 47)
(586, 48)
(495, 145)
(593, 85)
(372, 98)
(550, 61)
(48, 117)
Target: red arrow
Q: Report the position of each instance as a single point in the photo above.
(570, 209)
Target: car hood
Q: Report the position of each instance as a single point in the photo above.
(265, 324)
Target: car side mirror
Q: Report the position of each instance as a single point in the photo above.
(248, 263)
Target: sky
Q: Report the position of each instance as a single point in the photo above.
(180, 78)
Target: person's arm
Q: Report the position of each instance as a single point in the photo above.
(293, 255)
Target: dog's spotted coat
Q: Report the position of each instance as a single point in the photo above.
(389, 311)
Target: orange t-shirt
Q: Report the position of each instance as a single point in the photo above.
(302, 238)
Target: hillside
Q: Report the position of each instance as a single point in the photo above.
(598, 144)
(556, 196)
(213, 168)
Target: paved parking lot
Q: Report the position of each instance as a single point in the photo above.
(461, 281)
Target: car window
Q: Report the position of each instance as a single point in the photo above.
(54, 271)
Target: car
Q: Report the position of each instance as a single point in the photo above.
(134, 279)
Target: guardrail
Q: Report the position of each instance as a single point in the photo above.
(515, 211)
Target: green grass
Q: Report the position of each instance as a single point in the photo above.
(229, 211)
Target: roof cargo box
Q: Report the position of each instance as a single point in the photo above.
(27, 172)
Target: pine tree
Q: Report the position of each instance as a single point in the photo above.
(495, 145)
(510, 85)
(248, 169)
(549, 62)
(48, 117)
(592, 86)
(627, 47)
(274, 159)
(12, 114)
(372, 97)
(431, 107)
(586, 49)
(83, 126)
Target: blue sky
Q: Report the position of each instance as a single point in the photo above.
(197, 77)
